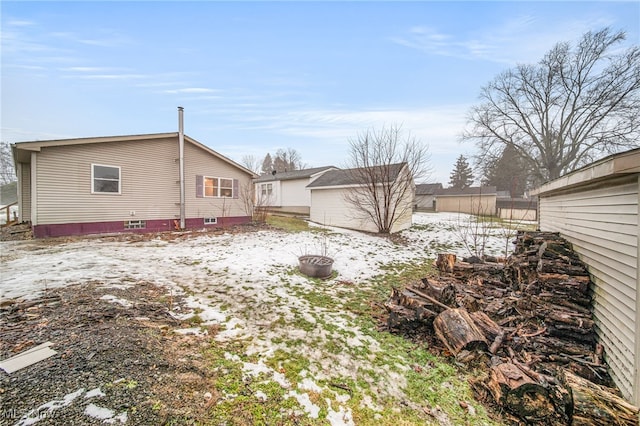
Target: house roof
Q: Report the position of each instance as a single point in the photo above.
(350, 177)
(22, 149)
(293, 174)
(428, 188)
(472, 190)
(8, 193)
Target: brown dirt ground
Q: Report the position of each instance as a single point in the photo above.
(132, 354)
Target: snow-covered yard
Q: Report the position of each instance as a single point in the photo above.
(246, 283)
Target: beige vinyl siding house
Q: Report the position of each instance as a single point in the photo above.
(114, 184)
(596, 208)
(472, 200)
(329, 205)
(287, 192)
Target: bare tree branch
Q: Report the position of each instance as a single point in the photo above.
(384, 167)
(566, 110)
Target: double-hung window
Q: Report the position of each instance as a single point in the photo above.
(218, 187)
(267, 189)
(105, 179)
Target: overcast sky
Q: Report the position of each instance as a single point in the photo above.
(254, 77)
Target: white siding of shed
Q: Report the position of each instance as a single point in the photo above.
(328, 207)
(295, 193)
(602, 224)
(149, 172)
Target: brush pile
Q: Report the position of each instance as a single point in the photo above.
(528, 319)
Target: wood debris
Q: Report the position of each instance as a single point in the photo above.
(529, 318)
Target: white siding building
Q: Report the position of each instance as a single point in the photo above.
(329, 205)
(287, 192)
(596, 209)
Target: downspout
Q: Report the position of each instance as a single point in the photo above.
(181, 165)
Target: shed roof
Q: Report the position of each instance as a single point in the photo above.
(293, 174)
(428, 188)
(351, 177)
(621, 164)
(472, 190)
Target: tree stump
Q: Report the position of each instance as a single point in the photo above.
(445, 262)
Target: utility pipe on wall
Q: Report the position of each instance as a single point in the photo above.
(181, 165)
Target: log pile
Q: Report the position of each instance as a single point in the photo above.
(529, 317)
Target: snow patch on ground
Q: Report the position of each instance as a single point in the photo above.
(245, 283)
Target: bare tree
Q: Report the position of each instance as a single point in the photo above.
(252, 163)
(287, 160)
(384, 166)
(7, 169)
(566, 110)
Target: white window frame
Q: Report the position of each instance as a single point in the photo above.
(93, 191)
(267, 189)
(218, 187)
(210, 220)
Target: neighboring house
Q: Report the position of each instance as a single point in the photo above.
(426, 196)
(596, 209)
(287, 192)
(329, 205)
(127, 183)
(478, 200)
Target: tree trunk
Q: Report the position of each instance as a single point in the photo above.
(514, 390)
(595, 405)
(457, 330)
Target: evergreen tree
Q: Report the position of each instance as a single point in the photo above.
(267, 164)
(508, 172)
(462, 176)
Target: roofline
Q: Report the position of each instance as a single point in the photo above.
(277, 177)
(614, 165)
(37, 146)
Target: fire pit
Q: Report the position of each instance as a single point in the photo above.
(316, 266)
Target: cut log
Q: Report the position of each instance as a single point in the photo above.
(514, 390)
(445, 294)
(557, 267)
(489, 328)
(597, 405)
(457, 330)
(445, 262)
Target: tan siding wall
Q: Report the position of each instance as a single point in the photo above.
(200, 162)
(148, 175)
(602, 224)
(25, 195)
(485, 204)
(517, 214)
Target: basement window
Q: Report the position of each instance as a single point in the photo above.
(134, 224)
(210, 220)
